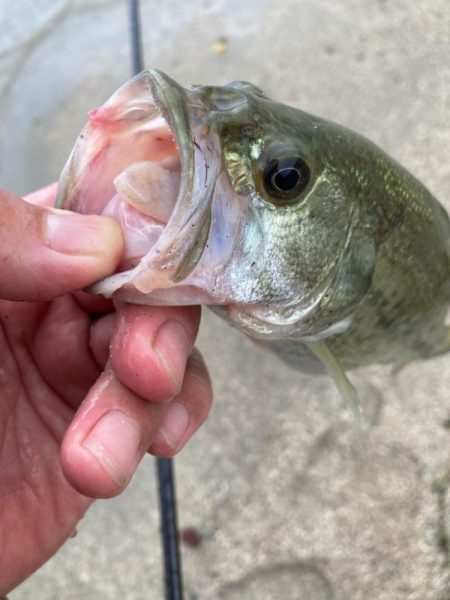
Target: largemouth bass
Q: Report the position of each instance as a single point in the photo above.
(298, 231)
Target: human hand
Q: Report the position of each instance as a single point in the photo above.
(86, 388)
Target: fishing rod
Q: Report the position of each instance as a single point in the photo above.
(164, 466)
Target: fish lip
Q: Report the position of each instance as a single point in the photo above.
(182, 242)
(172, 102)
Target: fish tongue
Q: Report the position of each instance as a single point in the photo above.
(140, 232)
(150, 188)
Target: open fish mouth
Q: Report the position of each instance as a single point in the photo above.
(148, 158)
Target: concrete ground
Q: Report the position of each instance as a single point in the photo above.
(292, 499)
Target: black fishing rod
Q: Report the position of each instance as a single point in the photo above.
(164, 466)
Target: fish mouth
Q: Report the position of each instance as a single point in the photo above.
(148, 158)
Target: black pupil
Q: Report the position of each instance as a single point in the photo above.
(286, 179)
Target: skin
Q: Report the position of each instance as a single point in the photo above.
(87, 387)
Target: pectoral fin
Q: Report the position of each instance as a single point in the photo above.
(334, 368)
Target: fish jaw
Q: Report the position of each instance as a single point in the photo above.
(153, 122)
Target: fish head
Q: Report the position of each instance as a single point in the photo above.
(230, 199)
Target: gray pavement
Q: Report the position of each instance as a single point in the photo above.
(292, 498)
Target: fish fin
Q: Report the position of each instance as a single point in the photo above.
(334, 368)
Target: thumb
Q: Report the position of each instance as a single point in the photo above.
(47, 252)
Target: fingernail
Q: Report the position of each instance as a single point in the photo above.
(71, 233)
(114, 441)
(172, 345)
(174, 425)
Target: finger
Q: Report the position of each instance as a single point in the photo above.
(150, 347)
(187, 412)
(107, 438)
(61, 350)
(94, 303)
(47, 252)
(101, 334)
(46, 196)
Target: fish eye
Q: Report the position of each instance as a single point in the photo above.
(285, 178)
